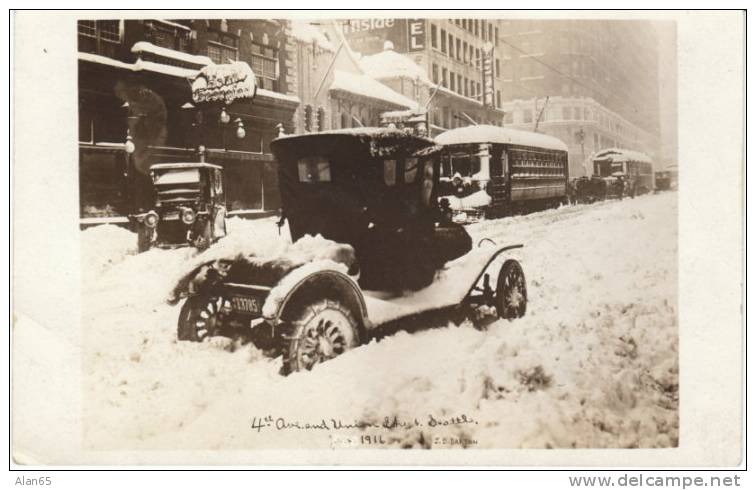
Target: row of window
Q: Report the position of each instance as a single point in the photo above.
(457, 49)
(102, 36)
(479, 28)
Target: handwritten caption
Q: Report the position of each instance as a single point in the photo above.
(370, 430)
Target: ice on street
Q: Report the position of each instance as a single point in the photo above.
(592, 364)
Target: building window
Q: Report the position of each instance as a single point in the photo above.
(452, 81)
(490, 32)
(444, 73)
(498, 99)
(443, 41)
(451, 46)
(459, 50)
(475, 27)
(434, 71)
(434, 33)
(477, 58)
(496, 36)
(459, 83)
(265, 65)
(467, 88)
(465, 55)
(99, 36)
(168, 35)
(498, 68)
(222, 47)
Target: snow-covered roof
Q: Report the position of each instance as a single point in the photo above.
(369, 132)
(494, 134)
(305, 31)
(359, 84)
(145, 47)
(164, 166)
(175, 71)
(390, 64)
(621, 155)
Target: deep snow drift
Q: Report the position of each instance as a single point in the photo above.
(592, 364)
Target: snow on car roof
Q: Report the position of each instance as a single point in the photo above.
(494, 134)
(164, 166)
(621, 155)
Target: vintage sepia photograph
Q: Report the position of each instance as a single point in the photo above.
(348, 232)
(404, 233)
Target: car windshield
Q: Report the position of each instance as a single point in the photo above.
(177, 176)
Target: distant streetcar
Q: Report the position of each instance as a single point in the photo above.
(490, 171)
(632, 169)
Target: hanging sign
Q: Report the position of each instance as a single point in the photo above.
(488, 75)
(225, 83)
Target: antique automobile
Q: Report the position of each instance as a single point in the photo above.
(493, 171)
(370, 248)
(633, 168)
(189, 207)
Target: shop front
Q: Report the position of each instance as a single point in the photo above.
(132, 116)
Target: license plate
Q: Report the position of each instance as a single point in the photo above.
(245, 304)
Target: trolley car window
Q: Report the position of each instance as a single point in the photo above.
(314, 169)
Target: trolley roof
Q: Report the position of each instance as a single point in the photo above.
(494, 134)
(168, 166)
(621, 155)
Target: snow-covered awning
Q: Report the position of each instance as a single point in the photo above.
(226, 82)
(363, 85)
(145, 47)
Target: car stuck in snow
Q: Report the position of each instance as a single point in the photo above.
(365, 199)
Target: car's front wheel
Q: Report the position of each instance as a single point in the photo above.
(324, 330)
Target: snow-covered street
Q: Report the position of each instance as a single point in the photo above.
(594, 363)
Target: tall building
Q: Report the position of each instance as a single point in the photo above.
(451, 66)
(600, 77)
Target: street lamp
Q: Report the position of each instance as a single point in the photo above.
(240, 131)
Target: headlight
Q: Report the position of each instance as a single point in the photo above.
(188, 216)
(151, 219)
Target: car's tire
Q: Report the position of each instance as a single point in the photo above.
(200, 317)
(511, 291)
(322, 331)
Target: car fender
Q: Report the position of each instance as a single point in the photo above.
(323, 279)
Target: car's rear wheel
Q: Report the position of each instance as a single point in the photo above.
(201, 316)
(322, 331)
(511, 291)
